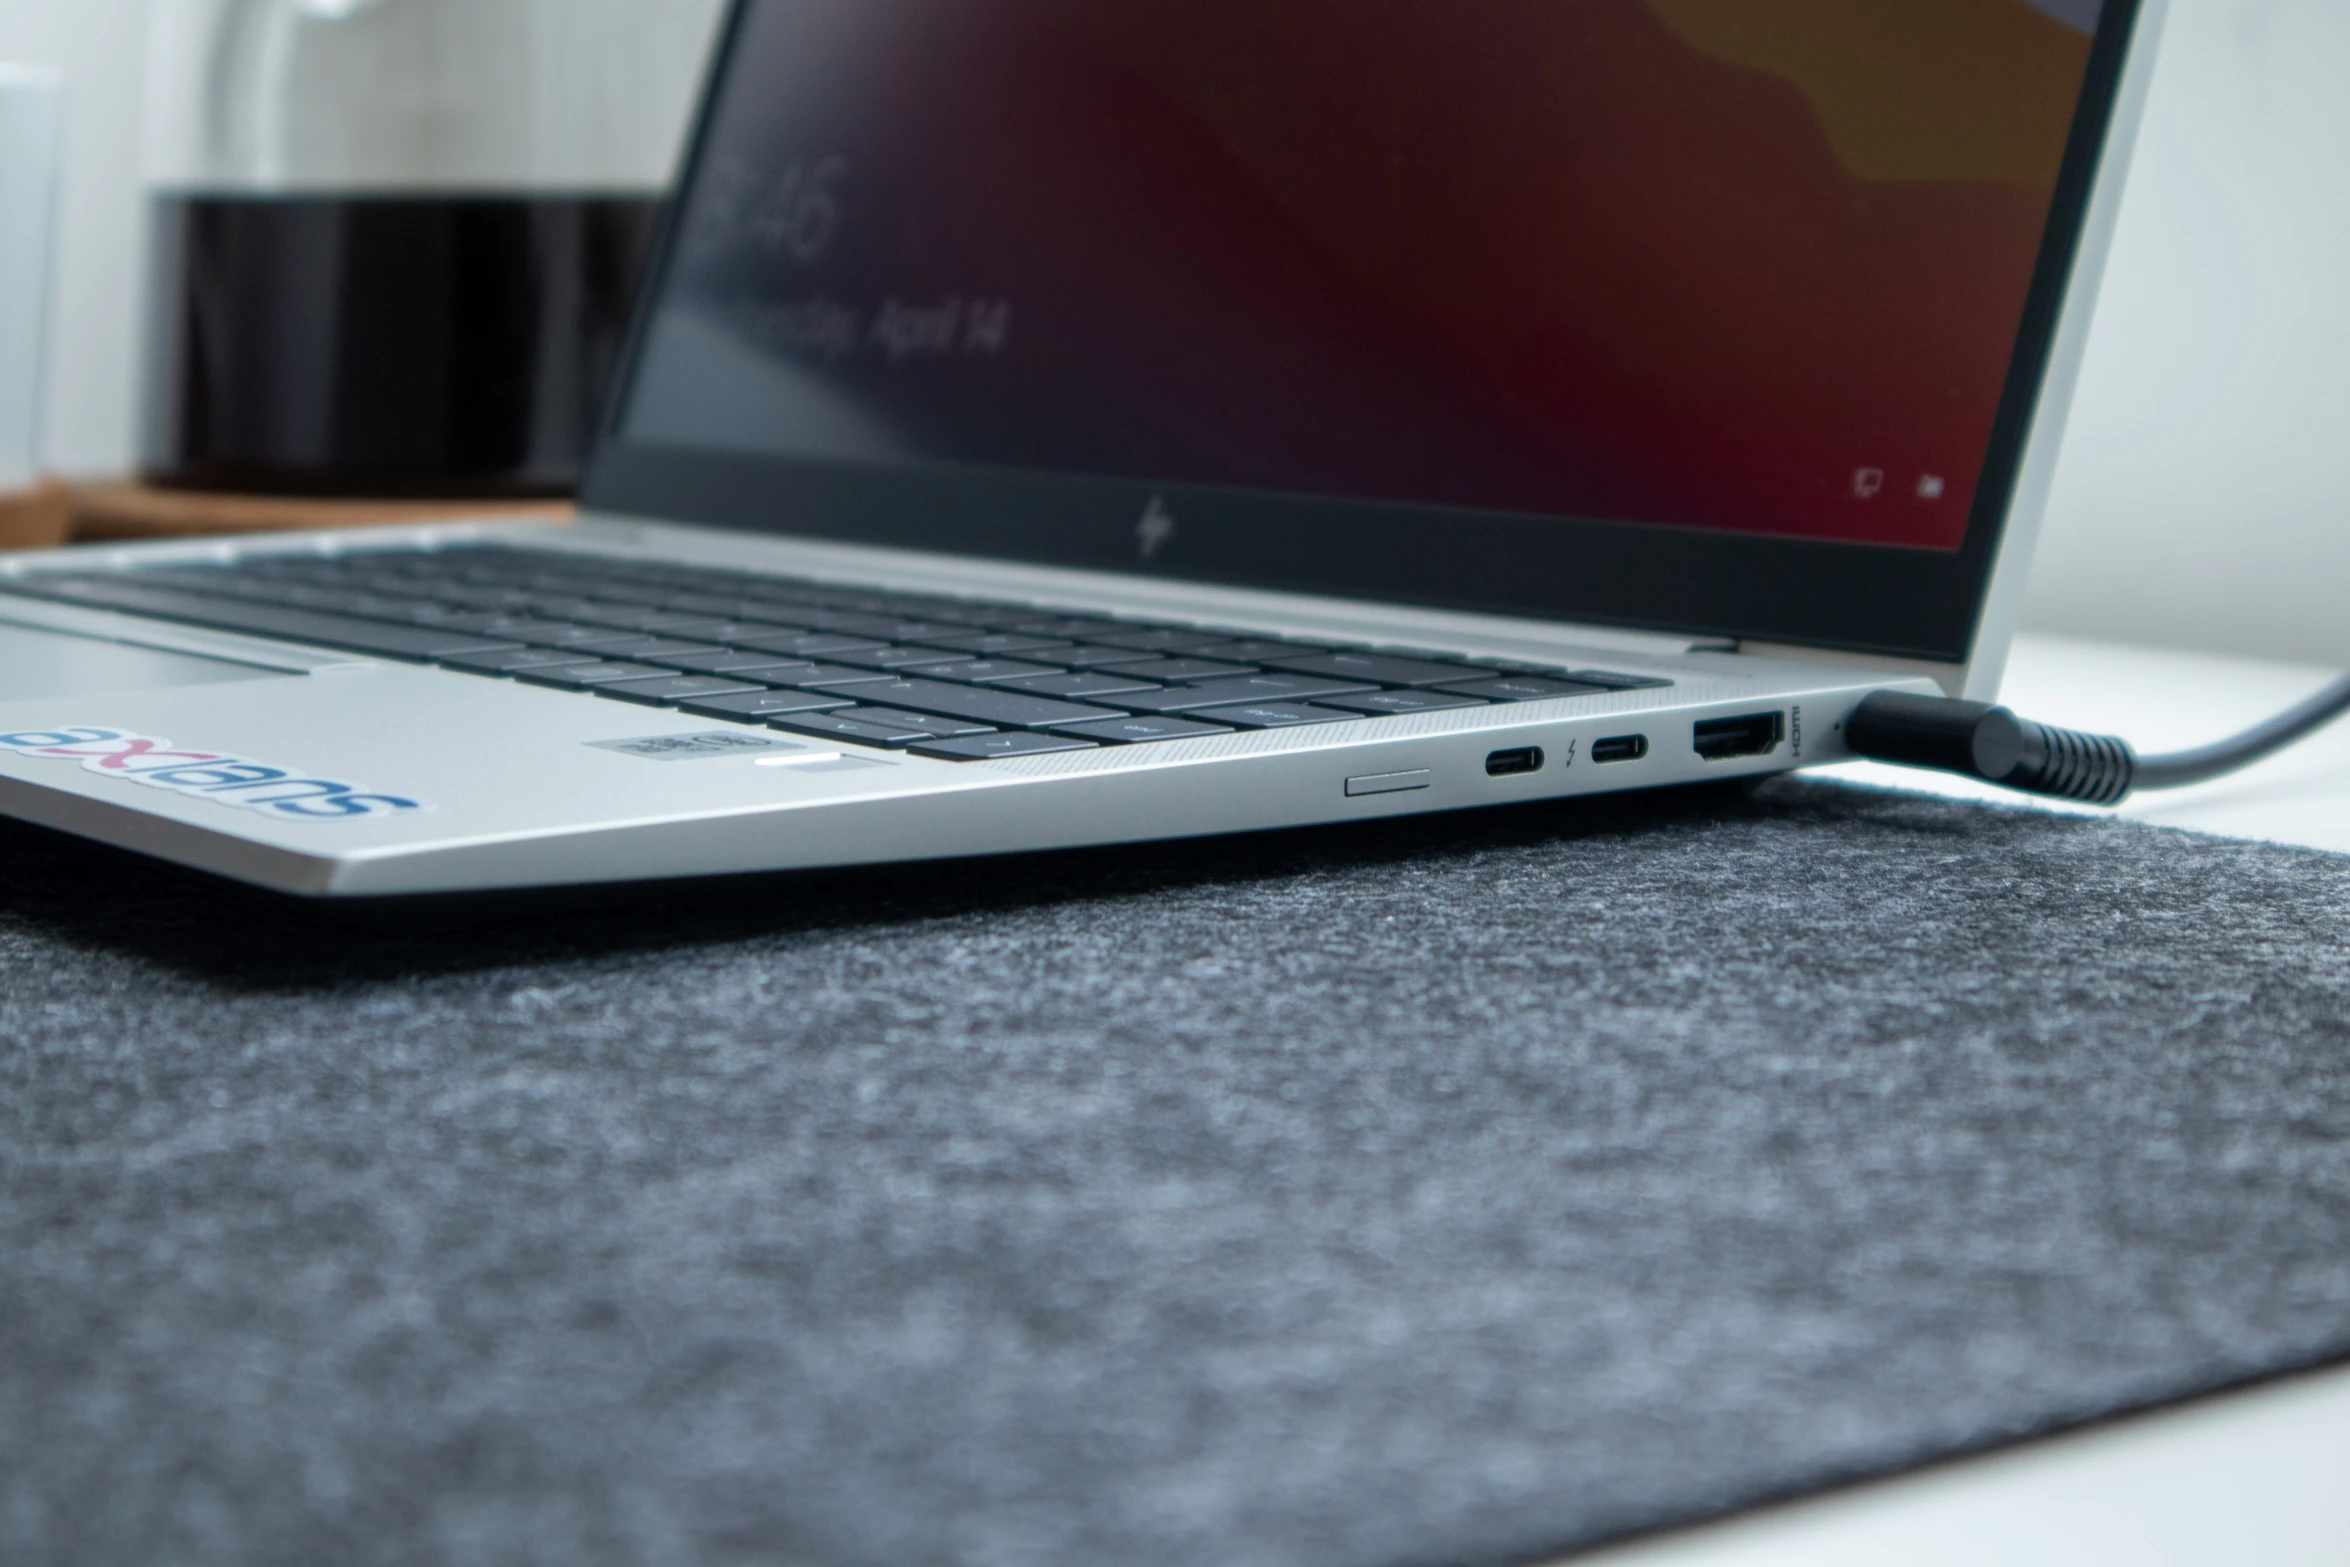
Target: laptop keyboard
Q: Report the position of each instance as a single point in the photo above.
(951, 678)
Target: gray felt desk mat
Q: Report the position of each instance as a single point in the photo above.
(1457, 1191)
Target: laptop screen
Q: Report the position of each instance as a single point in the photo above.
(1723, 317)
(1754, 265)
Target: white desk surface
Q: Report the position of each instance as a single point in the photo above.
(2261, 1476)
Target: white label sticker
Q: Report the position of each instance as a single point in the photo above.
(701, 747)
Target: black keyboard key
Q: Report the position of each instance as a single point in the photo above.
(1615, 682)
(585, 677)
(211, 577)
(1271, 715)
(834, 603)
(759, 706)
(421, 612)
(512, 659)
(992, 644)
(728, 661)
(1142, 730)
(344, 601)
(1522, 688)
(229, 582)
(826, 726)
(1038, 623)
(556, 606)
(1253, 650)
(988, 672)
(620, 617)
(783, 599)
(673, 689)
(812, 644)
(212, 582)
(1090, 656)
(737, 628)
(755, 619)
(1379, 669)
(655, 650)
(1253, 688)
(379, 566)
(923, 631)
(1150, 639)
(643, 595)
(1511, 666)
(687, 617)
(1380, 703)
(1184, 671)
(944, 728)
(820, 677)
(505, 620)
(350, 571)
(709, 628)
(1005, 709)
(506, 628)
(823, 607)
(966, 614)
(1192, 646)
(949, 612)
(379, 604)
(718, 606)
(412, 643)
(1074, 688)
(557, 635)
(872, 627)
(888, 658)
(988, 748)
(503, 602)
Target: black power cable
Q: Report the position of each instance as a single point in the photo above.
(1978, 740)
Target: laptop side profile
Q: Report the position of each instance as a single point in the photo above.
(1066, 422)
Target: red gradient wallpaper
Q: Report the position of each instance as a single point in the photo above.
(1733, 264)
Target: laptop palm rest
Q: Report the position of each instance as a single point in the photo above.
(38, 664)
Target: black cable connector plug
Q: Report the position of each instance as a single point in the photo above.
(1981, 741)
(1977, 740)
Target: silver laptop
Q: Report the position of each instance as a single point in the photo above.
(1061, 422)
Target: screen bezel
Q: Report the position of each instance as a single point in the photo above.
(1892, 600)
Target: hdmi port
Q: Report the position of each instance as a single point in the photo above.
(1750, 734)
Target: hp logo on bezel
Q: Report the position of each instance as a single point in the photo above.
(1156, 528)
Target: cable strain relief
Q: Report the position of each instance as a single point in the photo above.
(2094, 769)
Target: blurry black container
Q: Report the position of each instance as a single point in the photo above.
(385, 345)
(395, 242)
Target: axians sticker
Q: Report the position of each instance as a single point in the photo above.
(231, 780)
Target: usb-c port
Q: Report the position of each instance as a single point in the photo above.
(1622, 748)
(1510, 764)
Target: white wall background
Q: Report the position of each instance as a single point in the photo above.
(93, 338)
(405, 95)
(2204, 497)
